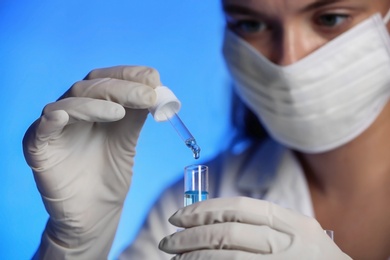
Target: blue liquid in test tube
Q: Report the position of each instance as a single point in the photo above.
(192, 196)
(196, 185)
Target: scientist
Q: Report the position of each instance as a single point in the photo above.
(315, 73)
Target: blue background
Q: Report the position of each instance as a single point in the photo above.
(46, 46)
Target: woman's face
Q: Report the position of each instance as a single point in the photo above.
(287, 30)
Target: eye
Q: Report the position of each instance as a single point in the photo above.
(247, 26)
(331, 20)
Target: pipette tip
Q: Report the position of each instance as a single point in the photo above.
(191, 143)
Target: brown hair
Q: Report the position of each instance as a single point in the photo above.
(244, 122)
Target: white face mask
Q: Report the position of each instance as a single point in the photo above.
(325, 99)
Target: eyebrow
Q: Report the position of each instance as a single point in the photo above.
(231, 8)
(319, 3)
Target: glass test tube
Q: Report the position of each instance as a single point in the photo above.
(196, 183)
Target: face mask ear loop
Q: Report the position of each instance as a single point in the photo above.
(386, 18)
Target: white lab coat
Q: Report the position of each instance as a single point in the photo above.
(263, 170)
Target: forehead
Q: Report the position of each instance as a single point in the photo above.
(288, 5)
(270, 2)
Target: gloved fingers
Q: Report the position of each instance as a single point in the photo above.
(61, 113)
(219, 254)
(141, 74)
(47, 127)
(239, 209)
(217, 210)
(87, 109)
(232, 236)
(127, 93)
(307, 238)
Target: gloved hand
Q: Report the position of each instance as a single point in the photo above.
(81, 151)
(245, 228)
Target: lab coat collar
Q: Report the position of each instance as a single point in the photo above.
(274, 174)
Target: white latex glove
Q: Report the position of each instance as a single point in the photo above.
(81, 151)
(245, 228)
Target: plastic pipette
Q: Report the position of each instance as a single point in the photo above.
(166, 108)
